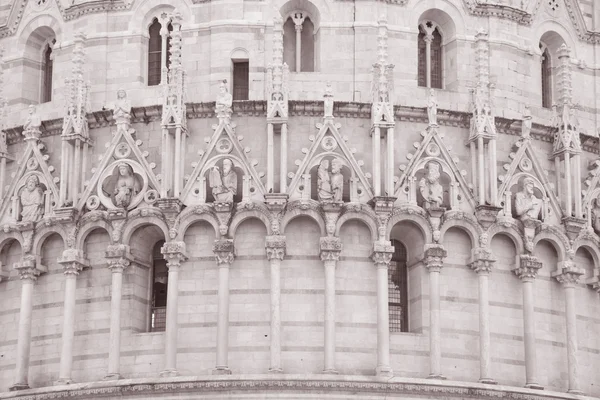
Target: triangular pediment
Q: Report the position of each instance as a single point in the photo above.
(32, 163)
(432, 149)
(108, 187)
(525, 163)
(329, 143)
(224, 144)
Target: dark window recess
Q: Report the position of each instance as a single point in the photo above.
(398, 289)
(155, 52)
(241, 80)
(160, 280)
(546, 80)
(47, 65)
(422, 66)
(436, 60)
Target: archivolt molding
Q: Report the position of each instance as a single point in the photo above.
(463, 221)
(258, 211)
(555, 236)
(360, 214)
(309, 208)
(512, 229)
(43, 231)
(140, 217)
(193, 214)
(413, 214)
(87, 226)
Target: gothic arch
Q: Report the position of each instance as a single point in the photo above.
(365, 218)
(146, 11)
(313, 10)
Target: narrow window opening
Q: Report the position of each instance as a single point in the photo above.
(241, 80)
(436, 60)
(47, 67)
(546, 79)
(398, 289)
(155, 56)
(160, 280)
(422, 62)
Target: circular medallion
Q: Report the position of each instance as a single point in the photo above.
(432, 150)
(525, 164)
(224, 146)
(151, 196)
(122, 150)
(32, 164)
(329, 143)
(93, 202)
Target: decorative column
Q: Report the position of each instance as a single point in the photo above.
(223, 250)
(434, 261)
(28, 273)
(118, 257)
(298, 17)
(330, 255)
(428, 39)
(275, 247)
(482, 262)
(527, 271)
(382, 255)
(73, 262)
(164, 20)
(568, 275)
(174, 254)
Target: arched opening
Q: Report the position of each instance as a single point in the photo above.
(38, 66)
(156, 58)
(549, 44)
(546, 74)
(398, 289)
(9, 255)
(47, 67)
(436, 50)
(299, 39)
(160, 281)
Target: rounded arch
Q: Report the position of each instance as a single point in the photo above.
(42, 233)
(44, 25)
(591, 248)
(420, 221)
(239, 53)
(313, 11)
(133, 225)
(145, 12)
(555, 240)
(553, 34)
(190, 217)
(464, 225)
(366, 219)
(446, 15)
(314, 215)
(88, 227)
(248, 214)
(8, 238)
(511, 232)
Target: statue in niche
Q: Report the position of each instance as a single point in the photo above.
(328, 101)
(430, 186)
(32, 200)
(596, 215)
(337, 180)
(32, 125)
(324, 192)
(224, 186)
(124, 186)
(224, 102)
(432, 105)
(527, 205)
(122, 110)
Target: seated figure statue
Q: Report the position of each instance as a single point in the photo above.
(224, 186)
(596, 215)
(430, 186)
(126, 187)
(527, 205)
(32, 200)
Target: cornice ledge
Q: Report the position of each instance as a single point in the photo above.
(93, 7)
(284, 383)
(499, 11)
(396, 2)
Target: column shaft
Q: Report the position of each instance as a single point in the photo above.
(484, 329)
(329, 316)
(529, 331)
(171, 322)
(68, 334)
(24, 338)
(377, 161)
(177, 163)
(390, 162)
(481, 170)
(270, 157)
(435, 349)
(571, 317)
(493, 172)
(298, 48)
(383, 321)
(569, 189)
(428, 39)
(577, 185)
(473, 153)
(223, 320)
(275, 315)
(283, 152)
(114, 343)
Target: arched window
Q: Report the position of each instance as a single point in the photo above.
(299, 42)
(47, 61)
(430, 69)
(546, 74)
(160, 280)
(155, 56)
(398, 289)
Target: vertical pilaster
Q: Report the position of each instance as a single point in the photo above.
(283, 168)
(270, 157)
(382, 255)
(223, 250)
(389, 187)
(118, 258)
(330, 255)
(298, 18)
(376, 161)
(73, 262)
(174, 254)
(434, 261)
(482, 262)
(28, 274)
(428, 39)
(568, 275)
(527, 272)
(275, 247)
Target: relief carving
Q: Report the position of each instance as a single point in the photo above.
(527, 205)
(430, 186)
(223, 185)
(32, 200)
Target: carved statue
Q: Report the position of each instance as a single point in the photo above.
(527, 205)
(596, 215)
(328, 101)
(324, 192)
(32, 200)
(430, 186)
(126, 186)
(223, 187)
(432, 105)
(224, 101)
(122, 110)
(33, 123)
(337, 180)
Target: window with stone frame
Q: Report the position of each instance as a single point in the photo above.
(241, 79)
(47, 67)
(546, 74)
(398, 289)
(160, 280)
(155, 53)
(299, 42)
(430, 69)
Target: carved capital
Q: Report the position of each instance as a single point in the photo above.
(382, 254)
(223, 250)
(482, 260)
(118, 264)
(568, 274)
(330, 248)
(433, 258)
(528, 267)
(118, 257)
(73, 261)
(28, 268)
(486, 215)
(275, 247)
(174, 253)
